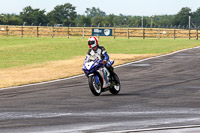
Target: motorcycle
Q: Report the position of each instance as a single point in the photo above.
(100, 79)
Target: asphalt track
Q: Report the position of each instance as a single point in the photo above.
(158, 92)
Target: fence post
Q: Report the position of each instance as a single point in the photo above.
(159, 34)
(22, 31)
(143, 33)
(189, 34)
(84, 31)
(98, 28)
(52, 32)
(197, 35)
(174, 34)
(128, 32)
(114, 31)
(68, 31)
(6, 31)
(37, 31)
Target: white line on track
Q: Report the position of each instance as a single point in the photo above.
(154, 129)
(84, 74)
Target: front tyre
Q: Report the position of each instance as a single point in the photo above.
(116, 88)
(94, 87)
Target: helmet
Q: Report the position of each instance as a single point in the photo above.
(93, 42)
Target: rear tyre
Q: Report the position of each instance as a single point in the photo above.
(94, 87)
(117, 87)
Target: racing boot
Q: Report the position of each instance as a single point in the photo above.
(106, 76)
(112, 73)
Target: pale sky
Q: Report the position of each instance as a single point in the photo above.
(125, 7)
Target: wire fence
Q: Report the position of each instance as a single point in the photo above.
(123, 31)
(191, 26)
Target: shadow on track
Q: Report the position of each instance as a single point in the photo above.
(118, 95)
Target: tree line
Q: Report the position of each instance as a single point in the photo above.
(66, 15)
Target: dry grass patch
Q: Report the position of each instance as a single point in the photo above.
(55, 70)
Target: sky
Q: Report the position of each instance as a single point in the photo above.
(125, 7)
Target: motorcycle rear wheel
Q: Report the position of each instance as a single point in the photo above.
(94, 87)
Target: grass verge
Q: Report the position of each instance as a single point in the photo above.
(54, 70)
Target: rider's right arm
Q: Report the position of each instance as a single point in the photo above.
(87, 59)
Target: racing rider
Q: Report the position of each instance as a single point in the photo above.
(97, 51)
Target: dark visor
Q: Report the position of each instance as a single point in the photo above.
(91, 42)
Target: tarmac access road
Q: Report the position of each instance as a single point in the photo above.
(156, 93)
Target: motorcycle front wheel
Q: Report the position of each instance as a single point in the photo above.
(94, 87)
(116, 88)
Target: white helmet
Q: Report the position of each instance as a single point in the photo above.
(93, 42)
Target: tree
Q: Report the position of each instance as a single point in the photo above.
(182, 17)
(63, 14)
(13, 19)
(110, 19)
(3, 19)
(94, 12)
(35, 16)
(162, 20)
(195, 19)
(97, 20)
(85, 20)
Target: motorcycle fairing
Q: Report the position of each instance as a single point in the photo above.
(104, 73)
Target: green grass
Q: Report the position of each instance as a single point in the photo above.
(15, 51)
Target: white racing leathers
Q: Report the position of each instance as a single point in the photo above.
(100, 53)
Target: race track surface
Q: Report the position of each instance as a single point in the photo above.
(159, 92)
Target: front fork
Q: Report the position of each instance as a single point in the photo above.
(96, 77)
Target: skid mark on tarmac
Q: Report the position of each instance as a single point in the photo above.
(111, 113)
(106, 126)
